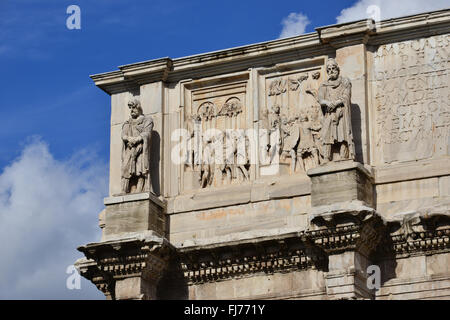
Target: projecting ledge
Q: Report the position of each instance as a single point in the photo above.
(134, 197)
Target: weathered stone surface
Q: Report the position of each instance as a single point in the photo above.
(341, 182)
(275, 214)
(128, 266)
(133, 213)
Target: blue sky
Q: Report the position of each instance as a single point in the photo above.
(54, 122)
(45, 88)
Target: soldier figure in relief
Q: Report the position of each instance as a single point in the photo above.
(334, 97)
(193, 141)
(136, 134)
(275, 142)
(308, 153)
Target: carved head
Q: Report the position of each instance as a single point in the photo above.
(135, 108)
(332, 69)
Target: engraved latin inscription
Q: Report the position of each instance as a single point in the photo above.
(411, 98)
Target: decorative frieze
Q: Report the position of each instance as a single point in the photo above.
(244, 259)
(417, 234)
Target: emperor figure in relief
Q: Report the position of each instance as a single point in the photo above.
(136, 134)
(334, 97)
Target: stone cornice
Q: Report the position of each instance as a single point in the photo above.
(322, 41)
(420, 243)
(423, 24)
(134, 197)
(366, 233)
(131, 75)
(281, 253)
(108, 261)
(345, 34)
(284, 253)
(417, 234)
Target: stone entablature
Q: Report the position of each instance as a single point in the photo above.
(311, 157)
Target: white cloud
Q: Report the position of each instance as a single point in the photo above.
(389, 9)
(48, 207)
(294, 24)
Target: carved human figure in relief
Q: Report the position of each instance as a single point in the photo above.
(290, 136)
(307, 150)
(334, 97)
(275, 142)
(207, 168)
(242, 145)
(136, 135)
(193, 141)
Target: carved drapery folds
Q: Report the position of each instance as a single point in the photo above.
(314, 129)
(304, 122)
(136, 138)
(293, 121)
(217, 144)
(335, 99)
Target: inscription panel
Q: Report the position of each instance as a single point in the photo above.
(410, 96)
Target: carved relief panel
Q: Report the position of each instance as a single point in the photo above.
(410, 100)
(292, 116)
(216, 116)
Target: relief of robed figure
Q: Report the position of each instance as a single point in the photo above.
(136, 138)
(334, 97)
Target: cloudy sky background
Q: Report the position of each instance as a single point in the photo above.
(54, 123)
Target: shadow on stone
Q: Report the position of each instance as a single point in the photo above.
(154, 163)
(356, 129)
(172, 285)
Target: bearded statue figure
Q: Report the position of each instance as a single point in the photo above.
(334, 97)
(136, 135)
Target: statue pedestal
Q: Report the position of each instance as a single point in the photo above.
(133, 254)
(341, 181)
(344, 224)
(133, 213)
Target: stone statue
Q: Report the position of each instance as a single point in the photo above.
(334, 98)
(136, 134)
